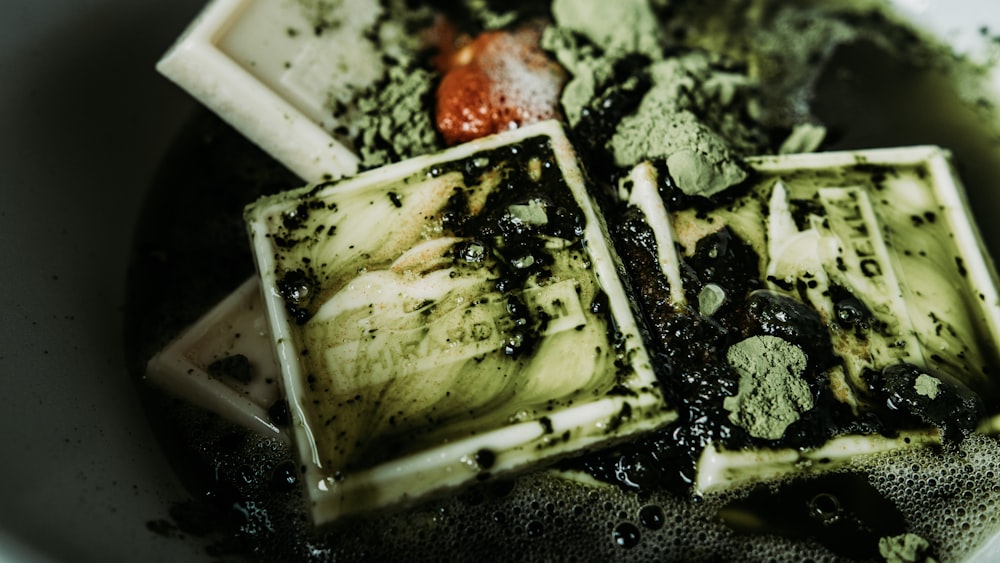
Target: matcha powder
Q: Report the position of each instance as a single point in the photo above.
(772, 393)
(906, 548)
(928, 386)
(394, 123)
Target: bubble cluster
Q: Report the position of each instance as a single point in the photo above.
(253, 508)
(950, 498)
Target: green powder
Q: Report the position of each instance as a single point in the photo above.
(533, 213)
(710, 299)
(927, 385)
(592, 71)
(692, 117)
(623, 26)
(772, 394)
(486, 14)
(682, 120)
(906, 548)
(698, 160)
(395, 123)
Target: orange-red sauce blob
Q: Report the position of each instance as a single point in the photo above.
(499, 81)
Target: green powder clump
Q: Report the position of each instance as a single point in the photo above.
(696, 112)
(591, 38)
(905, 548)
(927, 385)
(772, 393)
(710, 299)
(394, 121)
(391, 116)
(591, 70)
(488, 16)
(623, 26)
(690, 118)
(379, 102)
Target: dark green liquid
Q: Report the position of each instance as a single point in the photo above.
(869, 99)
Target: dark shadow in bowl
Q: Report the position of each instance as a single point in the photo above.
(86, 119)
(870, 100)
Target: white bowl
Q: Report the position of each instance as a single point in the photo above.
(86, 120)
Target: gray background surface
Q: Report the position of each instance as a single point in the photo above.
(85, 120)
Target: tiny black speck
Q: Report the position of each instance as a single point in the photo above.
(485, 458)
(546, 423)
